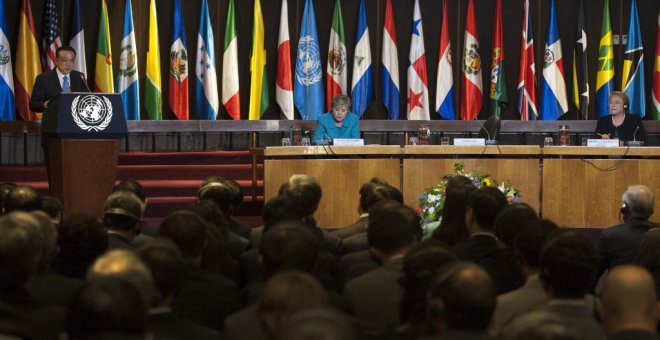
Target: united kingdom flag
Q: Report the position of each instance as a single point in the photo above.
(50, 35)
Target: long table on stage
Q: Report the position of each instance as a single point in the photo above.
(340, 170)
(582, 186)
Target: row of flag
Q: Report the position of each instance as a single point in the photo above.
(301, 85)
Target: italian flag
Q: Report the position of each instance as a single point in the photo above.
(230, 90)
(336, 70)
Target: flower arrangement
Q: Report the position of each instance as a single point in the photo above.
(433, 199)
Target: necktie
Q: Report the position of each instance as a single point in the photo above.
(65, 84)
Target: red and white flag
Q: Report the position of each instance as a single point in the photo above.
(283, 83)
(418, 90)
(336, 77)
(472, 93)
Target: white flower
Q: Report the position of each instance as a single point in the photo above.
(431, 210)
(502, 188)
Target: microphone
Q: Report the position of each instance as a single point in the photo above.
(489, 140)
(634, 142)
(635, 134)
(82, 76)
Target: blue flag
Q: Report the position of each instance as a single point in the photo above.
(7, 105)
(127, 81)
(390, 69)
(308, 88)
(206, 79)
(554, 101)
(633, 66)
(363, 76)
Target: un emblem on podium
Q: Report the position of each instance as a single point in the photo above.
(91, 112)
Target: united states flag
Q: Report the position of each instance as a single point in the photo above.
(50, 35)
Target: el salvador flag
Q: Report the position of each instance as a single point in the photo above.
(308, 88)
(363, 77)
(127, 82)
(7, 105)
(554, 99)
(206, 79)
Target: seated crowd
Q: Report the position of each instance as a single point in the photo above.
(489, 271)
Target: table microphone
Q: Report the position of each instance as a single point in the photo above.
(634, 142)
(82, 76)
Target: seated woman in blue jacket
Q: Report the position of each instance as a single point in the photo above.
(339, 122)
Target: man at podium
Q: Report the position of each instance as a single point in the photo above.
(60, 79)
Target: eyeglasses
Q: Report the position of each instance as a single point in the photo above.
(67, 60)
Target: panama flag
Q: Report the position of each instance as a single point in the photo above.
(103, 79)
(206, 80)
(472, 96)
(554, 102)
(308, 89)
(77, 40)
(7, 106)
(390, 69)
(336, 70)
(363, 76)
(527, 75)
(283, 83)
(231, 98)
(605, 73)
(418, 90)
(498, 94)
(152, 91)
(127, 82)
(178, 94)
(28, 65)
(633, 66)
(656, 76)
(258, 75)
(444, 95)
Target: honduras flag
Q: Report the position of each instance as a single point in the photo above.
(308, 88)
(7, 106)
(554, 99)
(127, 82)
(363, 76)
(633, 66)
(390, 70)
(206, 80)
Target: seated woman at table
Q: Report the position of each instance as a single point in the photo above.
(339, 122)
(620, 123)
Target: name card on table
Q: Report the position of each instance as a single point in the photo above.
(470, 141)
(603, 142)
(348, 142)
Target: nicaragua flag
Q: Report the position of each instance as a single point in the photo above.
(7, 105)
(390, 70)
(418, 91)
(77, 40)
(127, 82)
(554, 101)
(444, 95)
(206, 79)
(633, 66)
(308, 88)
(363, 76)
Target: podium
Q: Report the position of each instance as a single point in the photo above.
(82, 132)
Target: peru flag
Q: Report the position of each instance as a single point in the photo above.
(283, 83)
(418, 91)
(472, 96)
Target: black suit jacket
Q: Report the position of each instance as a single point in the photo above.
(47, 86)
(619, 244)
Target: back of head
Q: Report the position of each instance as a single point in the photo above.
(132, 186)
(317, 324)
(530, 240)
(486, 203)
(638, 200)
(49, 234)
(568, 265)
(22, 198)
(306, 190)
(452, 229)
(52, 206)
(511, 219)
(105, 305)
(379, 193)
(21, 247)
(5, 188)
(218, 193)
(166, 265)
(216, 221)
(392, 226)
(281, 208)
(288, 246)
(187, 230)
(463, 297)
(81, 240)
(628, 295)
(122, 211)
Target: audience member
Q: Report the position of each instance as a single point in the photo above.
(619, 244)
(462, 302)
(543, 327)
(122, 214)
(648, 255)
(52, 206)
(206, 298)
(81, 240)
(228, 196)
(375, 297)
(452, 229)
(147, 232)
(527, 245)
(629, 305)
(567, 269)
(5, 188)
(511, 220)
(167, 268)
(22, 198)
(360, 225)
(318, 324)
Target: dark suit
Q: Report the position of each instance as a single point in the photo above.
(47, 86)
(360, 226)
(619, 244)
(167, 326)
(116, 241)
